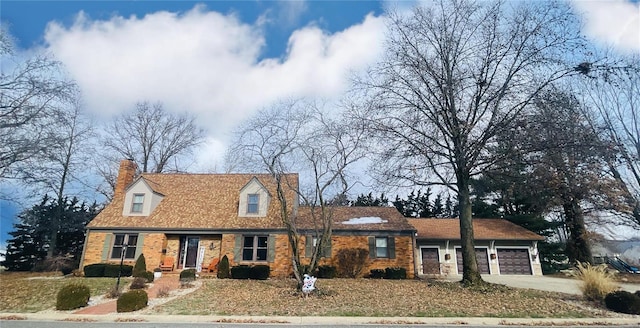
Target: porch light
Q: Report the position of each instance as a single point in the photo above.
(447, 257)
(212, 246)
(493, 256)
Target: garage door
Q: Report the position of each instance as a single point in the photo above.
(481, 257)
(514, 261)
(430, 261)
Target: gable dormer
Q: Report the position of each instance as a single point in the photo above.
(254, 199)
(140, 199)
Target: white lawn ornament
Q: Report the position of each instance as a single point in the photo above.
(308, 284)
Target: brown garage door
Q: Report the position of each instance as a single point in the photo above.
(481, 257)
(430, 261)
(514, 261)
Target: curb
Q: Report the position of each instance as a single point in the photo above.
(319, 320)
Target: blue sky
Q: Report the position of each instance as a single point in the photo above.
(28, 19)
(223, 60)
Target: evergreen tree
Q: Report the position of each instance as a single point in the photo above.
(369, 200)
(31, 237)
(438, 207)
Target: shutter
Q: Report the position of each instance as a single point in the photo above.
(372, 247)
(308, 246)
(326, 251)
(139, 245)
(237, 249)
(391, 247)
(271, 248)
(106, 247)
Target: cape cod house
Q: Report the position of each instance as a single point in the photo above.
(189, 219)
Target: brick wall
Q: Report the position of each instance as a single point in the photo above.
(93, 248)
(154, 243)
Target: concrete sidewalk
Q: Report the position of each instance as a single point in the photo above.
(327, 321)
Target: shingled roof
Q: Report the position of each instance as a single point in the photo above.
(359, 218)
(196, 201)
(483, 229)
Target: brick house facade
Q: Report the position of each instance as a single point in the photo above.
(194, 218)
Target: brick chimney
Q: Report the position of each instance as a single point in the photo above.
(126, 173)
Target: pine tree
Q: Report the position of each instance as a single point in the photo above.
(31, 237)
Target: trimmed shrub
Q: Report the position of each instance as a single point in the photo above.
(597, 282)
(351, 261)
(73, 296)
(240, 272)
(94, 270)
(223, 268)
(138, 283)
(623, 302)
(327, 271)
(259, 272)
(132, 300)
(111, 270)
(188, 275)
(141, 266)
(376, 274)
(148, 275)
(395, 273)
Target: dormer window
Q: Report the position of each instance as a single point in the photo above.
(253, 203)
(136, 203)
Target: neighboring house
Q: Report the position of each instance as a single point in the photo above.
(502, 247)
(194, 218)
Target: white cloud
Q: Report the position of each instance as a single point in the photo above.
(615, 22)
(206, 63)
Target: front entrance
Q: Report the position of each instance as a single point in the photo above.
(188, 251)
(430, 261)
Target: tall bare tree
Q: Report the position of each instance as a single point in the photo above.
(298, 135)
(31, 91)
(615, 94)
(152, 137)
(456, 73)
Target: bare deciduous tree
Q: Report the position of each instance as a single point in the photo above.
(30, 92)
(615, 94)
(455, 74)
(152, 137)
(298, 135)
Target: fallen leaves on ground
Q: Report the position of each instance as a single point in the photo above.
(368, 297)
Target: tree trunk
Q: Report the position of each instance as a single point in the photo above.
(470, 273)
(578, 246)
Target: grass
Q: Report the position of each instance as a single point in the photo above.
(376, 298)
(33, 292)
(22, 293)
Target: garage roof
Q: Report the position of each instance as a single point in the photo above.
(483, 229)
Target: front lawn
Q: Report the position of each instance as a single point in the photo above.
(366, 297)
(33, 292)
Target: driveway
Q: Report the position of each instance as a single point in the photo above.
(550, 284)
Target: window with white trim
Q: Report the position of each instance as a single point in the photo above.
(136, 203)
(382, 247)
(253, 203)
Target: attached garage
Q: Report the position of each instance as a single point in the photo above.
(481, 256)
(514, 261)
(502, 247)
